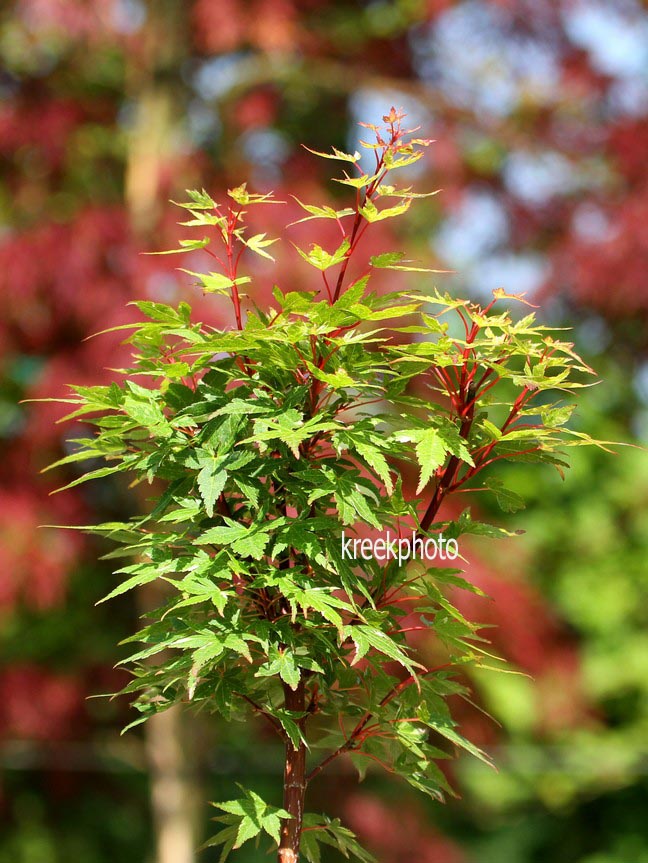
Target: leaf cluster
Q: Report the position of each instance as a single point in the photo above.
(334, 409)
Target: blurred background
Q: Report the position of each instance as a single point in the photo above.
(539, 108)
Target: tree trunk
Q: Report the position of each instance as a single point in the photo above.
(294, 782)
(174, 799)
(154, 87)
(157, 133)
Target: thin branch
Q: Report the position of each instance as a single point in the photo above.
(278, 727)
(353, 738)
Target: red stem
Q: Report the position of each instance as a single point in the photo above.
(294, 789)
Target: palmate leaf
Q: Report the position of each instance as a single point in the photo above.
(320, 600)
(242, 196)
(322, 830)
(393, 162)
(372, 214)
(321, 259)
(244, 541)
(200, 200)
(258, 243)
(369, 445)
(164, 314)
(365, 637)
(466, 525)
(360, 182)
(216, 283)
(353, 506)
(302, 536)
(282, 663)
(508, 501)
(338, 379)
(320, 212)
(247, 817)
(222, 535)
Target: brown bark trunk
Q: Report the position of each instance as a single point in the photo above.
(294, 783)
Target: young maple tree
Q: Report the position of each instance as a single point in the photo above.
(267, 442)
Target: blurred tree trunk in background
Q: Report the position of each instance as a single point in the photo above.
(154, 140)
(175, 802)
(158, 103)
